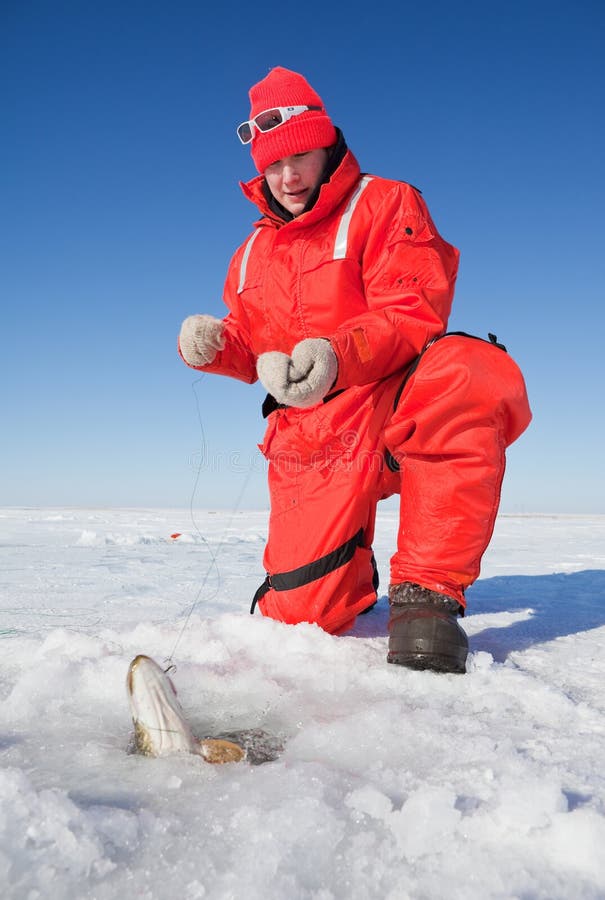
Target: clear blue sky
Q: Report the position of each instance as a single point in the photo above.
(120, 209)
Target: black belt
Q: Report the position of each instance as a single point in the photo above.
(287, 581)
(270, 404)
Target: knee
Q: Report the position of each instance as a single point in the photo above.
(493, 382)
(463, 381)
(498, 382)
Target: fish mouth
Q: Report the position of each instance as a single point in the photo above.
(132, 669)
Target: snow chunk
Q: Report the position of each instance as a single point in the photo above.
(46, 838)
(87, 539)
(426, 821)
(371, 802)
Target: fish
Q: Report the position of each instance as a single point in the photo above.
(160, 725)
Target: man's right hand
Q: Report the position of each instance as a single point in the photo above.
(200, 339)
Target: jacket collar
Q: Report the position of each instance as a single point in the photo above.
(331, 194)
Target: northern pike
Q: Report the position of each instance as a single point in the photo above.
(160, 726)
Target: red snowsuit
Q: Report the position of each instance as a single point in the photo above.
(367, 269)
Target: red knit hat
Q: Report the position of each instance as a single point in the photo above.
(307, 131)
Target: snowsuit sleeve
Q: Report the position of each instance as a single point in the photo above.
(409, 273)
(236, 359)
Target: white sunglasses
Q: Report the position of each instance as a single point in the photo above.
(270, 119)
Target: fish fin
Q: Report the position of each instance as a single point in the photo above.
(215, 750)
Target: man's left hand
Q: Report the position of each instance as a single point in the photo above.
(302, 379)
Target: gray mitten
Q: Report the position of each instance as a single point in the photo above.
(302, 379)
(200, 339)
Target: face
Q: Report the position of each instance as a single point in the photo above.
(292, 180)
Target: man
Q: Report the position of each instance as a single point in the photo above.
(338, 302)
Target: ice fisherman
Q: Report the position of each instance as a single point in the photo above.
(338, 302)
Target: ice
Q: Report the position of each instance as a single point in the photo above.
(363, 780)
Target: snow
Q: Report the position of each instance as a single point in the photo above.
(379, 782)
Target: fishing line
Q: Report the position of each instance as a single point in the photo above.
(214, 554)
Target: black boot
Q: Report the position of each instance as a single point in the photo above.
(423, 631)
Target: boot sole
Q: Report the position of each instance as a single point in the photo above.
(431, 662)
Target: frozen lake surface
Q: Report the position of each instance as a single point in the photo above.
(380, 782)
